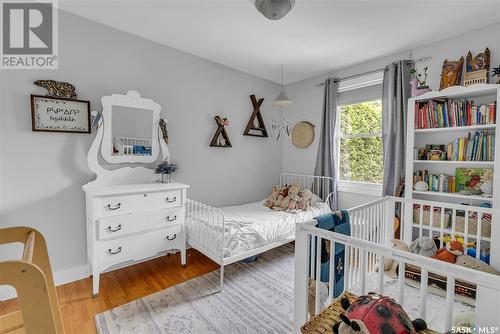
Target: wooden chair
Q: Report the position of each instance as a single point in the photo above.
(32, 278)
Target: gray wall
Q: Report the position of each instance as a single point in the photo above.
(308, 98)
(42, 173)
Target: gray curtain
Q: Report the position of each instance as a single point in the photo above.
(395, 93)
(326, 161)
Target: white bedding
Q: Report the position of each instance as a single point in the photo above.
(253, 225)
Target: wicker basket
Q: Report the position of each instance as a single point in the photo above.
(322, 323)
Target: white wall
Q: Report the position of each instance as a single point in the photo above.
(42, 173)
(308, 98)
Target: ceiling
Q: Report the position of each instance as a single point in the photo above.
(315, 38)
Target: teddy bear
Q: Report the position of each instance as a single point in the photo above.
(473, 263)
(271, 199)
(283, 193)
(293, 194)
(305, 199)
(450, 252)
(390, 265)
(424, 246)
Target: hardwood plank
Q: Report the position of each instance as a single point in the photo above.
(119, 287)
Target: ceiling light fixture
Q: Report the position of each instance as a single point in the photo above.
(281, 111)
(274, 9)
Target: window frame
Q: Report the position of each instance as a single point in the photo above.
(357, 187)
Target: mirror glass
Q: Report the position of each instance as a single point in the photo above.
(131, 131)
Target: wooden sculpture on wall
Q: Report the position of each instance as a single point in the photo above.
(220, 138)
(57, 88)
(477, 68)
(451, 74)
(252, 126)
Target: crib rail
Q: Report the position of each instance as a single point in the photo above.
(365, 250)
(319, 185)
(205, 229)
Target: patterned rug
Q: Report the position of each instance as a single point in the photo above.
(257, 298)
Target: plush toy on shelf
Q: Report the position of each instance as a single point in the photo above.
(375, 314)
(424, 246)
(450, 252)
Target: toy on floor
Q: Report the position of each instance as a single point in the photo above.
(424, 246)
(450, 252)
(390, 266)
(375, 314)
(473, 263)
(465, 319)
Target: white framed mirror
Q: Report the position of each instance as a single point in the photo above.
(130, 129)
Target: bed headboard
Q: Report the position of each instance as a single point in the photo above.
(320, 185)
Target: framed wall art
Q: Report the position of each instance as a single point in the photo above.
(54, 114)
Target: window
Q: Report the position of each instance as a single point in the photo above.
(360, 143)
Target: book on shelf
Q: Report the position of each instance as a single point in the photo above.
(476, 146)
(436, 182)
(444, 113)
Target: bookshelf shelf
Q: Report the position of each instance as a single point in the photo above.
(454, 195)
(457, 128)
(479, 164)
(459, 100)
(448, 230)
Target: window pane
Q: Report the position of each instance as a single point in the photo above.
(363, 117)
(361, 159)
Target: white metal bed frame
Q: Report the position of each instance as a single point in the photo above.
(206, 229)
(371, 230)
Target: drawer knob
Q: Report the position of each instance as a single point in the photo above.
(169, 238)
(171, 200)
(112, 252)
(116, 229)
(168, 219)
(116, 207)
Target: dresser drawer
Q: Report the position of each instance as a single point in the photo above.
(117, 205)
(139, 246)
(116, 226)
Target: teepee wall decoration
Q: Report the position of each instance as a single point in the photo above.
(256, 122)
(220, 138)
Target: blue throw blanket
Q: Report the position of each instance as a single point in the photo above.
(336, 222)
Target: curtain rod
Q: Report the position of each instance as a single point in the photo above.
(421, 59)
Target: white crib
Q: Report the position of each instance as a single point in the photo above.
(369, 244)
(206, 229)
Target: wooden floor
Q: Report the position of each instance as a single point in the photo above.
(121, 286)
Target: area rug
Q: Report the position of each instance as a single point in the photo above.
(257, 298)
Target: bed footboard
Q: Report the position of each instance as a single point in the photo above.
(205, 230)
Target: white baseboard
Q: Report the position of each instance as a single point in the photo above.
(60, 277)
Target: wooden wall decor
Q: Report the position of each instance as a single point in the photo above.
(477, 68)
(451, 74)
(260, 127)
(220, 138)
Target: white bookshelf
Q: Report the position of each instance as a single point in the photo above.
(481, 93)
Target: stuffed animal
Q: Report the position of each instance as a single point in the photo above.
(423, 246)
(473, 263)
(450, 252)
(465, 319)
(305, 199)
(390, 266)
(323, 296)
(273, 197)
(281, 196)
(293, 193)
(375, 314)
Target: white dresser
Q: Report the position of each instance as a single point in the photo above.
(133, 222)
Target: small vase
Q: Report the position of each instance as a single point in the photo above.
(165, 178)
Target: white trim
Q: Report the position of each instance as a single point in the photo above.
(362, 81)
(374, 189)
(60, 277)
